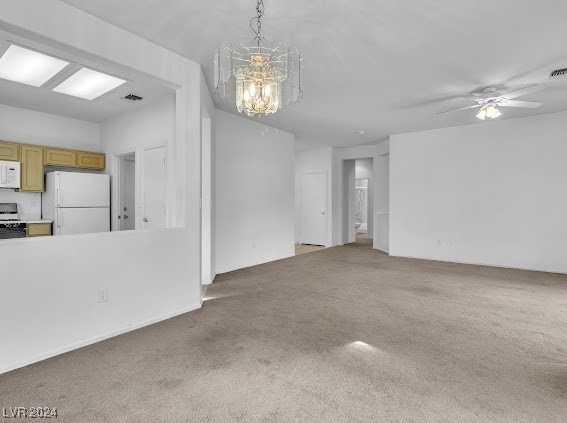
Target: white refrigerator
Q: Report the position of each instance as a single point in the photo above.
(77, 203)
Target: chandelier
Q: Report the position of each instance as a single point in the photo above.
(257, 76)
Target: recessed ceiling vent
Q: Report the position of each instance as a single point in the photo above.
(132, 98)
(558, 73)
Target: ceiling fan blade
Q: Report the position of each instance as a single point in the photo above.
(462, 108)
(523, 91)
(519, 103)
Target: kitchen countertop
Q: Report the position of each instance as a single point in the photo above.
(28, 221)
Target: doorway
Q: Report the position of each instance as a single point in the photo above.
(313, 209)
(127, 192)
(155, 184)
(361, 209)
(124, 197)
(358, 200)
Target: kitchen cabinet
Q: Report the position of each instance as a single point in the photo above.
(9, 151)
(34, 158)
(59, 157)
(38, 229)
(91, 160)
(31, 168)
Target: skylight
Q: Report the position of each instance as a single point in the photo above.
(88, 84)
(29, 67)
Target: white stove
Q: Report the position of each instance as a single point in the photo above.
(10, 226)
(8, 211)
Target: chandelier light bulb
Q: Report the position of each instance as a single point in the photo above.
(257, 76)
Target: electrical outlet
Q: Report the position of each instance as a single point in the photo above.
(438, 243)
(32, 203)
(102, 295)
(450, 243)
(253, 245)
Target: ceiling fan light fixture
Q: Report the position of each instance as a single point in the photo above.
(489, 111)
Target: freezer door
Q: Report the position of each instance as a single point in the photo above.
(82, 190)
(82, 220)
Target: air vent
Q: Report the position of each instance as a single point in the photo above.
(132, 98)
(559, 73)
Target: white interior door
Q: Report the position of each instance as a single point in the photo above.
(313, 216)
(127, 207)
(154, 179)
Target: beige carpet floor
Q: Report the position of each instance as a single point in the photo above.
(304, 248)
(344, 334)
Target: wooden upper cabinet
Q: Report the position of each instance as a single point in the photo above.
(91, 160)
(9, 151)
(59, 157)
(32, 168)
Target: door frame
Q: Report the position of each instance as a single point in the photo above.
(142, 203)
(300, 234)
(368, 198)
(117, 159)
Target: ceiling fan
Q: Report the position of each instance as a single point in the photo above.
(490, 99)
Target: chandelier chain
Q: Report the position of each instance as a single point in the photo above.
(258, 20)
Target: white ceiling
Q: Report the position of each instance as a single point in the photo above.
(385, 67)
(104, 107)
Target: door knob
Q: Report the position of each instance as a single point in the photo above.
(125, 217)
(146, 219)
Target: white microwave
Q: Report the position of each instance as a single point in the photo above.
(9, 174)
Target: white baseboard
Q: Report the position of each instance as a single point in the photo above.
(95, 339)
(473, 263)
(208, 282)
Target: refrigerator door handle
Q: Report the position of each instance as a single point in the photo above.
(2, 174)
(59, 220)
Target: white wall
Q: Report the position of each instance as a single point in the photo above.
(207, 271)
(254, 204)
(319, 160)
(382, 198)
(29, 203)
(30, 127)
(150, 126)
(348, 227)
(491, 193)
(151, 275)
(208, 223)
(364, 169)
(60, 308)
